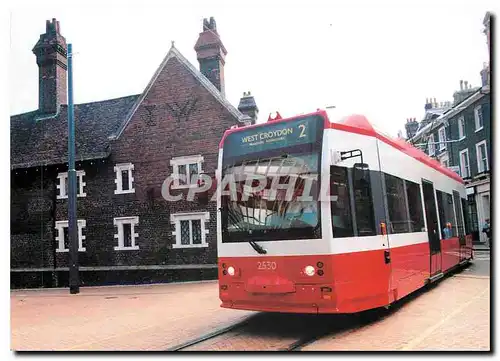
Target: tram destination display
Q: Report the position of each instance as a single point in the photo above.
(272, 136)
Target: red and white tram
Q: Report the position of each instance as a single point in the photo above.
(393, 219)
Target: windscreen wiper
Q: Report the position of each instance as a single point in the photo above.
(257, 247)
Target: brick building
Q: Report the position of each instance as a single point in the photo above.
(125, 149)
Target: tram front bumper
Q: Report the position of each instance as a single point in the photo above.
(304, 299)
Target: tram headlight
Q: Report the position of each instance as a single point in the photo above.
(230, 270)
(309, 270)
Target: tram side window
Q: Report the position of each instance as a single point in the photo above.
(363, 203)
(396, 204)
(341, 203)
(415, 207)
(467, 219)
(446, 215)
(458, 212)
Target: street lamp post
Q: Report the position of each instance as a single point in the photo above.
(74, 281)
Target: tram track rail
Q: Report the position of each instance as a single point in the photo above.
(211, 335)
(358, 320)
(288, 332)
(257, 333)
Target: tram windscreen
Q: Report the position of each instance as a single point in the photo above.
(270, 182)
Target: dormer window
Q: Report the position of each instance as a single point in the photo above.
(442, 138)
(431, 144)
(124, 179)
(478, 118)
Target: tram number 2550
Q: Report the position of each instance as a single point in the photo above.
(266, 265)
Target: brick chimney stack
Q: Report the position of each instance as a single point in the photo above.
(487, 30)
(248, 107)
(211, 54)
(411, 127)
(51, 57)
(428, 104)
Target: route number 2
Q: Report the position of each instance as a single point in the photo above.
(266, 265)
(302, 130)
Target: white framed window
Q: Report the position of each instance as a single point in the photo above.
(464, 163)
(62, 237)
(126, 234)
(445, 161)
(190, 230)
(478, 118)
(482, 157)
(63, 185)
(184, 168)
(124, 179)
(430, 142)
(442, 138)
(461, 128)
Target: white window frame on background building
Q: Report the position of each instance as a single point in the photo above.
(432, 146)
(478, 118)
(175, 219)
(442, 138)
(462, 168)
(60, 225)
(461, 128)
(185, 161)
(119, 222)
(480, 158)
(62, 180)
(119, 168)
(445, 160)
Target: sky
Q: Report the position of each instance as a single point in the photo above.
(379, 58)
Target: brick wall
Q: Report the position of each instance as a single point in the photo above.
(32, 217)
(178, 117)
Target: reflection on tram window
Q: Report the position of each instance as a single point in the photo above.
(396, 204)
(363, 203)
(458, 211)
(415, 207)
(446, 215)
(341, 203)
(269, 213)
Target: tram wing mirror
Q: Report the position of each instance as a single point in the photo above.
(361, 171)
(336, 157)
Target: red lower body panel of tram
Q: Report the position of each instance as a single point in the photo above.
(339, 283)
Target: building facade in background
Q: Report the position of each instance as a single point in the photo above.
(125, 149)
(459, 137)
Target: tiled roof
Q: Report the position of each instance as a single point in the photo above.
(174, 53)
(41, 141)
(447, 113)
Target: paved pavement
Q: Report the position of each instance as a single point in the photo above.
(452, 315)
(480, 247)
(152, 317)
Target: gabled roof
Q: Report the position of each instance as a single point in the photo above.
(39, 141)
(174, 53)
(36, 141)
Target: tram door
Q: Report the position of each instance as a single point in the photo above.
(432, 227)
